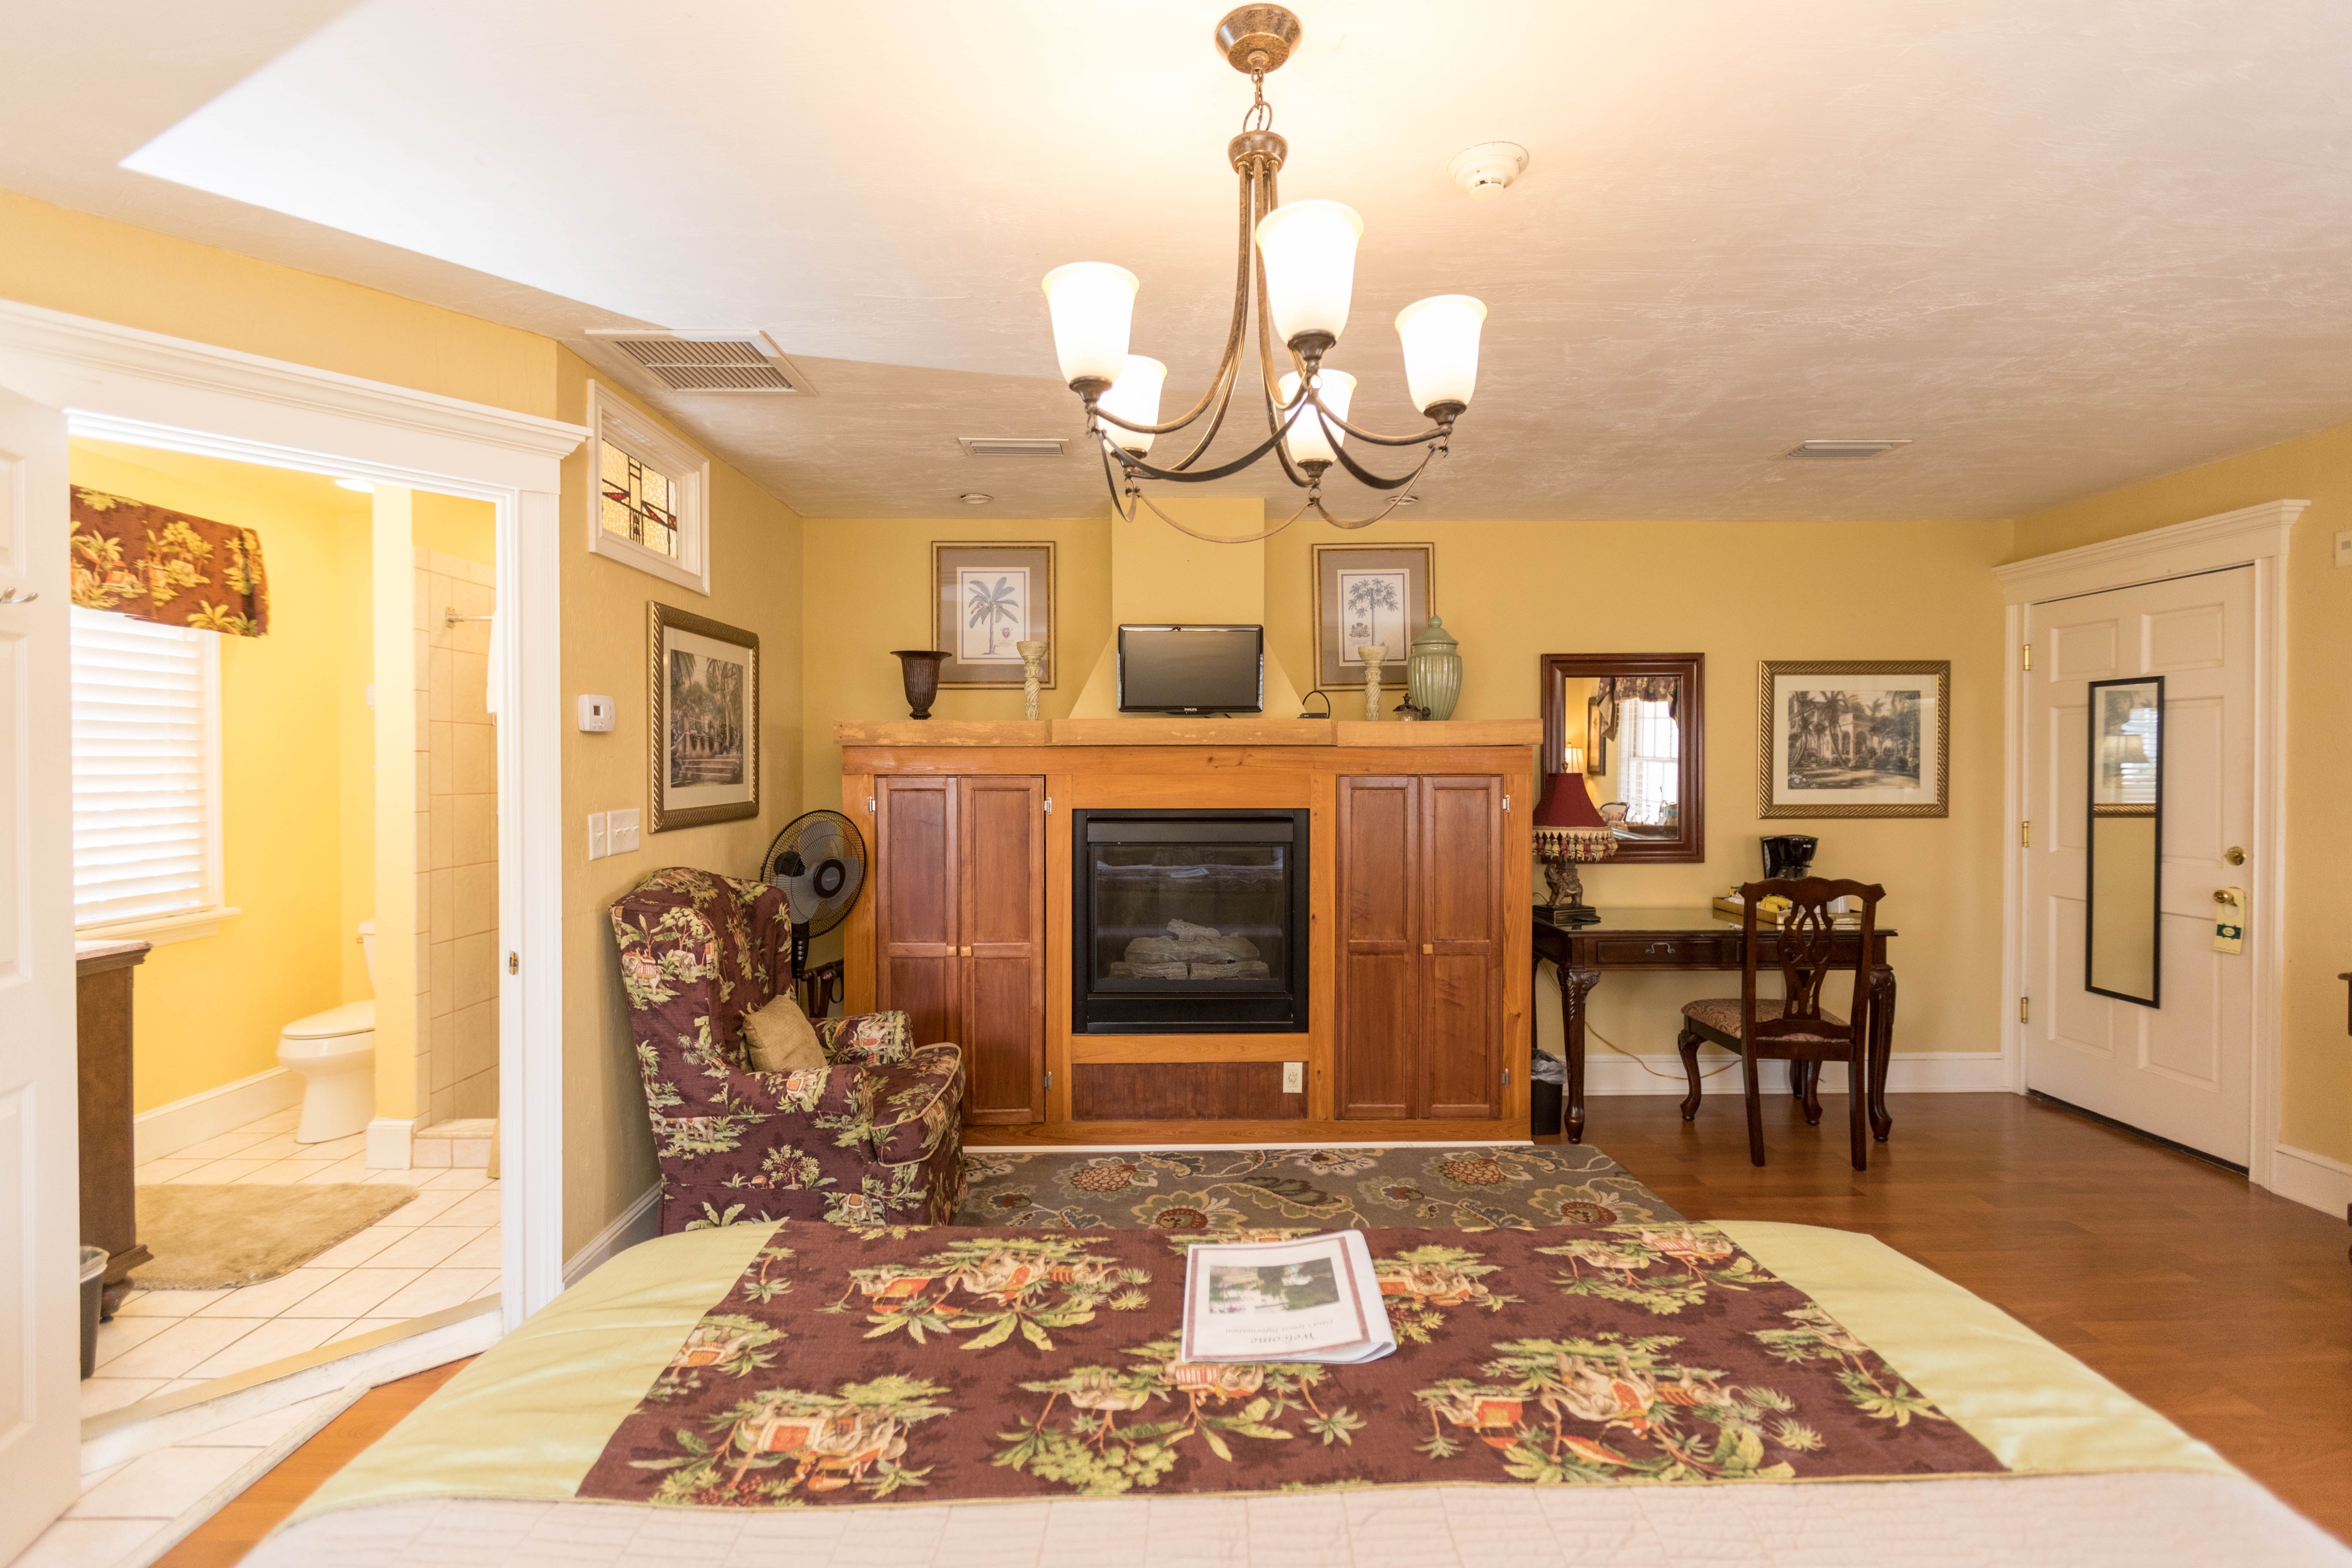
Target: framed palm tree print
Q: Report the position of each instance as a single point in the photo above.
(1854, 737)
(1367, 594)
(987, 600)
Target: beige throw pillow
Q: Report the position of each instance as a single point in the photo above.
(779, 1038)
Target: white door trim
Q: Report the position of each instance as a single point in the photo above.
(122, 383)
(2255, 536)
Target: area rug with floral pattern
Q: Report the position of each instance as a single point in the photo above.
(1218, 1191)
(929, 1365)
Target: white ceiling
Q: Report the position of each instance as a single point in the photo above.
(2059, 245)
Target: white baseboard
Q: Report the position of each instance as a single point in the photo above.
(1908, 1072)
(168, 1129)
(391, 1143)
(2315, 1179)
(639, 1222)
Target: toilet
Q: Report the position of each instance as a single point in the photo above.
(335, 1053)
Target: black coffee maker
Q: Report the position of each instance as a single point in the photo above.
(1788, 856)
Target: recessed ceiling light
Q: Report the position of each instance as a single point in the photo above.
(975, 498)
(1843, 448)
(366, 487)
(1408, 500)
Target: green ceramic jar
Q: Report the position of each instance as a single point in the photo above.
(1432, 671)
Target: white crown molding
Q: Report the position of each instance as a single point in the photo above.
(2205, 544)
(108, 349)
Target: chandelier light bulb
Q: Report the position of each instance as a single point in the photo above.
(1440, 350)
(1093, 306)
(1309, 248)
(1134, 396)
(1308, 441)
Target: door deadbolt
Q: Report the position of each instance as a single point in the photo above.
(2234, 856)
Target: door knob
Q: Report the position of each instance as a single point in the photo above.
(2234, 856)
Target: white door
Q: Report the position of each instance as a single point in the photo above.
(40, 1186)
(2182, 1070)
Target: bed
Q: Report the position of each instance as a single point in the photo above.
(1667, 1393)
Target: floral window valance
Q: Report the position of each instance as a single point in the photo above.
(165, 567)
(1610, 693)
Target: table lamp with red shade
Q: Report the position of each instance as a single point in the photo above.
(1569, 831)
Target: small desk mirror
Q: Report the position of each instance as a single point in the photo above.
(2124, 863)
(1633, 725)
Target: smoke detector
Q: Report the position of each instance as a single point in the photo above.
(1843, 448)
(1487, 169)
(701, 361)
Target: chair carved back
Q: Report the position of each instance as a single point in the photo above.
(1806, 945)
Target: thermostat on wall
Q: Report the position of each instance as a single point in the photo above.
(596, 715)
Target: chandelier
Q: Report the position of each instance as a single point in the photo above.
(1297, 261)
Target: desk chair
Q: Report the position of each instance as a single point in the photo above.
(1798, 1029)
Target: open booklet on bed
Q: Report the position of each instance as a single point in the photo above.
(1314, 1299)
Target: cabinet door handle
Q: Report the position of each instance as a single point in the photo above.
(963, 953)
(1425, 947)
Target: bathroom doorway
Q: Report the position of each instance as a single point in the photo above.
(286, 788)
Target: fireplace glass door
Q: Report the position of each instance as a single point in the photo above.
(1190, 924)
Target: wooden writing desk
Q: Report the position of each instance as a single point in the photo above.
(1693, 939)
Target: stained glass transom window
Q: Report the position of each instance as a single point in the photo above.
(638, 505)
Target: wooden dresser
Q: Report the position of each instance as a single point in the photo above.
(1418, 864)
(110, 1206)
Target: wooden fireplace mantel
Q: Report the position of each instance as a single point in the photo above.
(1420, 865)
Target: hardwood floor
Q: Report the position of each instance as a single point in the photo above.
(238, 1528)
(2226, 1308)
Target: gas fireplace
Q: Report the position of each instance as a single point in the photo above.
(1189, 922)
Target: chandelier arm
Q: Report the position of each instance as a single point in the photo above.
(1228, 374)
(1374, 480)
(1118, 505)
(1229, 361)
(1437, 432)
(1315, 500)
(1366, 476)
(1242, 539)
(1137, 464)
(1274, 419)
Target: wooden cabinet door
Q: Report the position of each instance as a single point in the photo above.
(1459, 911)
(1000, 916)
(1379, 1069)
(915, 912)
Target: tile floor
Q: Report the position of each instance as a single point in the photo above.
(125, 1507)
(437, 1250)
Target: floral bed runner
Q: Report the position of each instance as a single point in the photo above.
(918, 1365)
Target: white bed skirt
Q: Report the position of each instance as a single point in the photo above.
(2138, 1520)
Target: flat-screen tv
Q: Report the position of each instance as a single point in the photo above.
(1192, 670)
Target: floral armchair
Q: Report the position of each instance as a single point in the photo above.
(876, 1137)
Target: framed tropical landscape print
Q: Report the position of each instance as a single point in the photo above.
(705, 713)
(1367, 594)
(988, 599)
(1855, 739)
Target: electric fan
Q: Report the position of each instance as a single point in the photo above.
(819, 862)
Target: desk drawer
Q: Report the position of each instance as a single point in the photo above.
(1660, 952)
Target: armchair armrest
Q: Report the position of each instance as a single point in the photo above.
(879, 1038)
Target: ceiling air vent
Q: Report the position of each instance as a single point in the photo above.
(1847, 449)
(1013, 445)
(708, 362)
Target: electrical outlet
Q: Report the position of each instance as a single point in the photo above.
(1293, 1078)
(595, 715)
(597, 847)
(621, 831)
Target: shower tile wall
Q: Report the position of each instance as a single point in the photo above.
(457, 892)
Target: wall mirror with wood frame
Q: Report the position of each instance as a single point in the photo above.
(1635, 724)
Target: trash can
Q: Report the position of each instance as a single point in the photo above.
(1546, 1090)
(93, 1286)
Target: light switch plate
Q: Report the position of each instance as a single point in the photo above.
(595, 715)
(597, 848)
(1293, 1078)
(621, 831)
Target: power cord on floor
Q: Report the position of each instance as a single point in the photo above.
(1643, 1063)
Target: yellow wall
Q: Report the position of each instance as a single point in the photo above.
(455, 526)
(1738, 592)
(208, 1009)
(2316, 1060)
(756, 574)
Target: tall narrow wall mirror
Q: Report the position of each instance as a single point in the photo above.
(2122, 874)
(1634, 725)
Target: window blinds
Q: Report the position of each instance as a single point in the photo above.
(145, 775)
